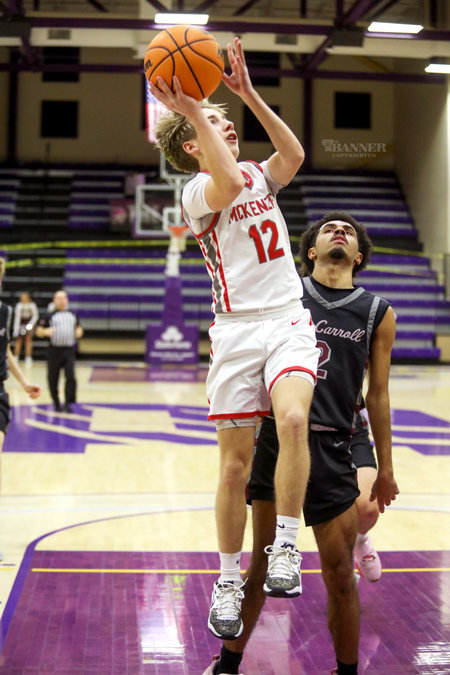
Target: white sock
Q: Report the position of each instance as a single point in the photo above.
(230, 567)
(286, 532)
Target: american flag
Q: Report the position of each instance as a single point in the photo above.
(153, 111)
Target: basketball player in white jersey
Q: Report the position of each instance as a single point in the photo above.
(263, 347)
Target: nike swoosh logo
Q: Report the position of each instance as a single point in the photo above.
(294, 322)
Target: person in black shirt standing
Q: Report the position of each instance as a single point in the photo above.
(355, 332)
(63, 329)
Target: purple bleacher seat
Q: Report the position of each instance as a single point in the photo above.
(370, 218)
(306, 180)
(430, 353)
(74, 212)
(344, 192)
(104, 254)
(423, 274)
(111, 282)
(115, 298)
(398, 259)
(98, 177)
(92, 225)
(414, 334)
(390, 231)
(424, 304)
(398, 287)
(323, 207)
(89, 189)
(423, 319)
(86, 199)
(98, 267)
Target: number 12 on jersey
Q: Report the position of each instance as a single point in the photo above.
(272, 251)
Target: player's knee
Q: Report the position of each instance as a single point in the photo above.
(293, 422)
(367, 513)
(235, 472)
(339, 576)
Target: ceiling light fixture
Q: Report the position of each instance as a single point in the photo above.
(383, 27)
(191, 19)
(438, 68)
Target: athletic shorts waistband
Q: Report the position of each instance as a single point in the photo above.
(261, 314)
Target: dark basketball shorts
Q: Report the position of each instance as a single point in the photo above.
(361, 448)
(332, 486)
(5, 411)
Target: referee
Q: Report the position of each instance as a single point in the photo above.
(63, 329)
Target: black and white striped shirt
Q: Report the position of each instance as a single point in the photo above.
(63, 324)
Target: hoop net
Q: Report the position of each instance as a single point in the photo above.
(178, 234)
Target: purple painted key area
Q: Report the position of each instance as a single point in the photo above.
(145, 613)
(60, 432)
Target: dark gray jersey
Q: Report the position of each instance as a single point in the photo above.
(345, 322)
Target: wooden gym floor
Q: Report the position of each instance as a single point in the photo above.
(109, 545)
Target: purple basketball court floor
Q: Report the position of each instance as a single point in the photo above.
(87, 613)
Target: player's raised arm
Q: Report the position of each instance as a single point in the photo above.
(209, 147)
(289, 155)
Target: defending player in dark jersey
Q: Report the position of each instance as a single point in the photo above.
(9, 364)
(355, 331)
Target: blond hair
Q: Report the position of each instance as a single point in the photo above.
(173, 130)
(2, 267)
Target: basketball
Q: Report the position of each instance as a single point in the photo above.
(190, 53)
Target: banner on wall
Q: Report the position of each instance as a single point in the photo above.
(171, 340)
(167, 343)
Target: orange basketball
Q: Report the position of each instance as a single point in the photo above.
(190, 53)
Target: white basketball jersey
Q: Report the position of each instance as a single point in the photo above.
(246, 245)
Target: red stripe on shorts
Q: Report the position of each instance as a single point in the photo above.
(288, 370)
(231, 416)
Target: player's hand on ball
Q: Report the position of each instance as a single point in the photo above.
(176, 100)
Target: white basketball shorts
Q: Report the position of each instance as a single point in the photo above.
(249, 355)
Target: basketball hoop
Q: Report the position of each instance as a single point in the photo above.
(178, 234)
(177, 245)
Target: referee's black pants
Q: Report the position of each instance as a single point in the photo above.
(62, 357)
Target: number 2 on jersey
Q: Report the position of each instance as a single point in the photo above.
(272, 251)
(325, 356)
